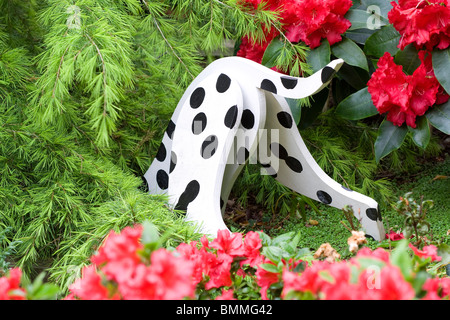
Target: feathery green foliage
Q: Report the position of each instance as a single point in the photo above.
(86, 91)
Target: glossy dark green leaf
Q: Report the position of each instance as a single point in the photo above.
(441, 67)
(296, 109)
(421, 134)
(383, 5)
(272, 52)
(390, 138)
(351, 53)
(384, 40)
(319, 57)
(359, 35)
(357, 106)
(310, 114)
(439, 117)
(408, 58)
(364, 19)
(354, 76)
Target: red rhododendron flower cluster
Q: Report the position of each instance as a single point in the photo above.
(309, 21)
(423, 23)
(404, 97)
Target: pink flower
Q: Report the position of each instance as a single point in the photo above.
(202, 260)
(119, 253)
(166, 278)
(9, 286)
(390, 286)
(226, 295)
(170, 276)
(252, 247)
(395, 236)
(437, 288)
(89, 286)
(427, 252)
(119, 246)
(265, 279)
(219, 272)
(378, 253)
(229, 243)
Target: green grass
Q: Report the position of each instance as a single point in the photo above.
(330, 229)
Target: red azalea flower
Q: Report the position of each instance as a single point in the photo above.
(202, 260)
(386, 284)
(9, 286)
(252, 247)
(378, 253)
(229, 243)
(393, 286)
(427, 252)
(437, 288)
(89, 286)
(423, 23)
(395, 236)
(219, 272)
(309, 280)
(170, 276)
(226, 295)
(425, 87)
(309, 21)
(118, 255)
(120, 246)
(138, 286)
(265, 279)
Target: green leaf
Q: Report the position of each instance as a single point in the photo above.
(383, 5)
(421, 134)
(283, 238)
(357, 106)
(38, 290)
(384, 40)
(150, 235)
(273, 253)
(354, 76)
(361, 19)
(408, 58)
(351, 53)
(269, 267)
(310, 114)
(400, 257)
(439, 117)
(444, 252)
(272, 52)
(390, 137)
(296, 109)
(319, 57)
(441, 66)
(359, 35)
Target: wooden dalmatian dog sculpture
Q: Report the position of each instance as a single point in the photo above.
(217, 127)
